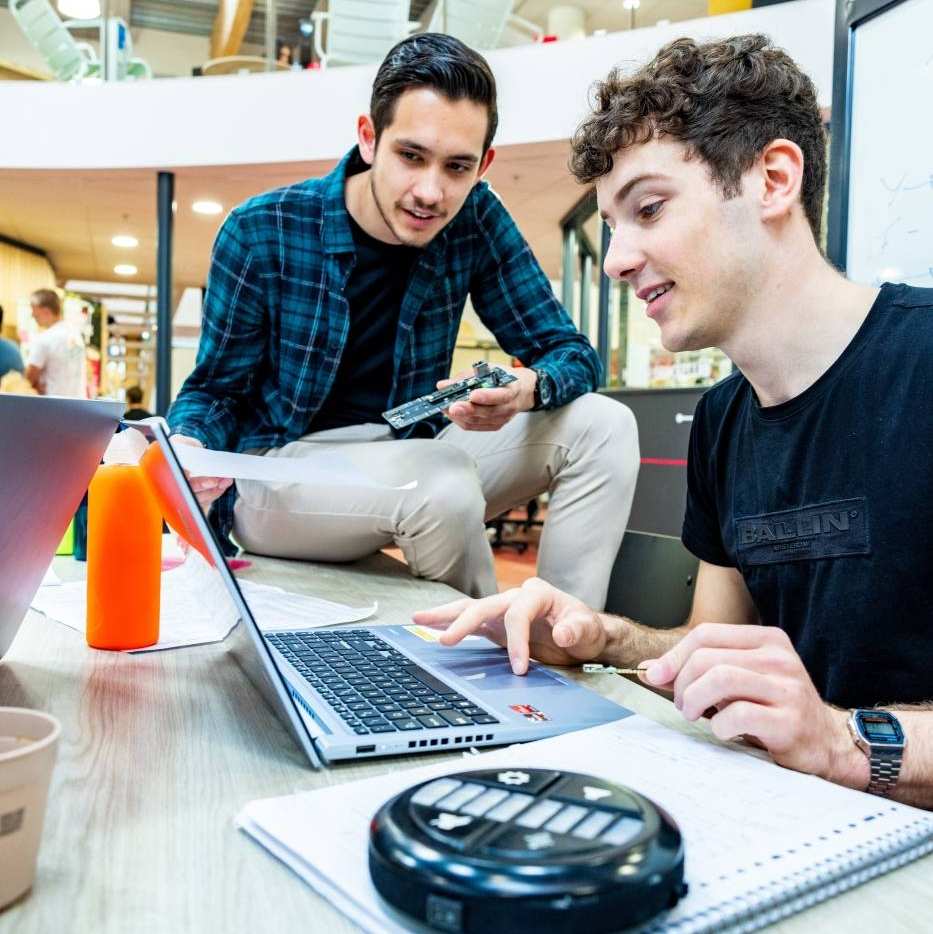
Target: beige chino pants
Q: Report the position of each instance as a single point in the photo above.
(585, 455)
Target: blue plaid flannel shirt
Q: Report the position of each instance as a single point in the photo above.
(275, 319)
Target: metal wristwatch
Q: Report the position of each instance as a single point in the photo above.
(879, 734)
(543, 390)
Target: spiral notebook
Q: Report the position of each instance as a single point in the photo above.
(761, 842)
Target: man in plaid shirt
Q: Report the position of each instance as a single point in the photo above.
(335, 299)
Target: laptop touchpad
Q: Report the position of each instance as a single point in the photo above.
(489, 675)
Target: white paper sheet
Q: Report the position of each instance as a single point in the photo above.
(196, 609)
(277, 609)
(51, 579)
(747, 823)
(326, 468)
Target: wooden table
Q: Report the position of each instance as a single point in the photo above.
(240, 65)
(160, 751)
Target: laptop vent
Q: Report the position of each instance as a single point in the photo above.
(479, 738)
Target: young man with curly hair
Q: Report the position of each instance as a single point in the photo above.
(810, 468)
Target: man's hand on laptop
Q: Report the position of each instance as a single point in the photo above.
(205, 489)
(535, 618)
(490, 409)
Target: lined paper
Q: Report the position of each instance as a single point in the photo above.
(755, 834)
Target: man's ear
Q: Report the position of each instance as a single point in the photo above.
(485, 163)
(781, 166)
(366, 138)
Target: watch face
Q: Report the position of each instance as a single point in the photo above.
(879, 728)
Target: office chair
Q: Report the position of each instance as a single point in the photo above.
(652, 580)
(505, 525)
(479, 23)
(360, 32)
(68, 59)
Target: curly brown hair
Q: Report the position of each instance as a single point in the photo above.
(725, 101)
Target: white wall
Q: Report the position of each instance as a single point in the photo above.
(238, 119)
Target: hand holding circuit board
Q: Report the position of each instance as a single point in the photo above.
(484, 377)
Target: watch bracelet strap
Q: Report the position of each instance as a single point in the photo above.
(885, 769)
(538, 401)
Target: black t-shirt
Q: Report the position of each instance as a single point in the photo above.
(825, 505)
(374, 292)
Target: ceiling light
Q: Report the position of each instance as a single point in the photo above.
(207, 207)
(79, 9)
(125, 269)
(125, 241)
(631, 4)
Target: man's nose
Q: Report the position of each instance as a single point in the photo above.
(623, 258)
(428, 189)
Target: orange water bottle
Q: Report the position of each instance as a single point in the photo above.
(124, 559)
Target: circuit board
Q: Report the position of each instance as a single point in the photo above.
(484, 377)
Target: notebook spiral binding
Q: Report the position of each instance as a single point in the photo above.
(804, 888)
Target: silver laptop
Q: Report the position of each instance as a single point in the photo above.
(356, 691)
(49, 450)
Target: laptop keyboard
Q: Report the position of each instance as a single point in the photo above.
(372, 686)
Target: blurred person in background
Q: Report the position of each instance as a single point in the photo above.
(284, 55)
(56, 357)
(134, 401)
(10, 357)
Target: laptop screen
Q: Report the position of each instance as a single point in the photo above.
(49, 450)
(172, 501)
(183, 514)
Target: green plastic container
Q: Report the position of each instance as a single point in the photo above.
(67, 546)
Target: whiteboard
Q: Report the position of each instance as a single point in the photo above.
(890, 197)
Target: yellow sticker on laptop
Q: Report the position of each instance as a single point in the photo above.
(426, 633)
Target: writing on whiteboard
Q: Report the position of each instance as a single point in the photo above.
(902, 247)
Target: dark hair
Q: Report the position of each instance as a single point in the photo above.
(46, 298)
(724, 100)
(1, 316)
(443, 63)
(134, 395)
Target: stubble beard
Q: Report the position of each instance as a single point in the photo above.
(385, 217)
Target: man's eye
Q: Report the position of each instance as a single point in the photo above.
(459, 169)
(650, 210)
(410, 156)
